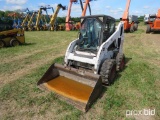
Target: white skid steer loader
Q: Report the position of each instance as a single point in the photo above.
(90, 61)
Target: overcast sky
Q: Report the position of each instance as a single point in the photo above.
(113, 8)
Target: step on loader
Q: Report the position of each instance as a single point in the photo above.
(90, 61)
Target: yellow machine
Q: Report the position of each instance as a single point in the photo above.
(54, 16)
(24, 26)
(37, 26)
(26, 19)
(12, 38)
(30, 26)
(61, 27)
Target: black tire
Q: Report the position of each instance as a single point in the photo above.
(14, 42)
(2, 44)
(132, 29)
(120, 62)
(108, 71)
(135, 26)
(148, 29)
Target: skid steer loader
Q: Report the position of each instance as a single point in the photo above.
(90, 61)
(9, 36)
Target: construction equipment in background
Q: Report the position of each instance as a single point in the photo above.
(68, 25)
(46, 17)
(26, 19)
(16, 17)
(84, 9)
(30, 23)
(147, 19)
(10, 36)
(130, 21)
(61, 27)
(90, 60)
(38, 26)
(153, 26)
(87, 4)
(54, 16)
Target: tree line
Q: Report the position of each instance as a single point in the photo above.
(4, 16)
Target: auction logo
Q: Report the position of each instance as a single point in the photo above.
(140, 112)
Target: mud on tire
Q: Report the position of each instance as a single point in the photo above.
(120, 62)
(108, 71)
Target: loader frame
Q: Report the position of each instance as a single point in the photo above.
(103, 53)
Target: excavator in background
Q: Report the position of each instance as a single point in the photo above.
(130, 21)
(54, 16)
(153, 26)
(90, 61)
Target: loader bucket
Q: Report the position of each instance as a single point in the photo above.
(80, 89)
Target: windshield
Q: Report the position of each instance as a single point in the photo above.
(89, 35)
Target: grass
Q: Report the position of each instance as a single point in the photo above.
(135, 88)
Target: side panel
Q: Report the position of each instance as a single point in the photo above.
(69, 50)
(103, 52)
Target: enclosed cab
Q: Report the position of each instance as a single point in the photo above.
(86, 52)
(148, 19)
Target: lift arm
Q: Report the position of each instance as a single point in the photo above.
(85, 7)
(158, 14)
(126, 12)
(68, 14)
(54, 16)
(25, 19)
(31, 19)
(38, 18)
